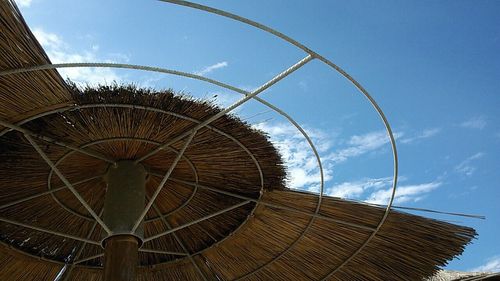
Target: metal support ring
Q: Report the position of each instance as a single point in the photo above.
(63, 157)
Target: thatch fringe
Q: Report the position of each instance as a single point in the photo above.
(407, 247)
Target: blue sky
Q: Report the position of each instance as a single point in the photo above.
(433, 67)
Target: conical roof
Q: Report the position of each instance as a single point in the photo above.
(223, 212)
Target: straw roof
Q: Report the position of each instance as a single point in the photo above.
(272, 235)
(25, 94)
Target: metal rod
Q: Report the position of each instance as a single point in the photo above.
(163, 146)
(46, 192)
(49, 231)
(272, 205)
(67, 183)
(162, 252)
(437, 212)
(176, 237)
(68, 272)
(247, 97)
(51, 140)
(89, 258)
(163, 181)
(197, 221)
(241, 19)
(184, 157)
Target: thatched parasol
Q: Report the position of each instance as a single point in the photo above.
(119, 177)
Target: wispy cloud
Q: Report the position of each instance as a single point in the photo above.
(303, 85)
(476, 122)
(211, 68)
(23, 3)
(60, 51)
(48, 40)
(427, 133)
(379, 190)
(355, 189)
(304, 173)
(465, 167)
(491, 265)
(404, 193)
(360, 144)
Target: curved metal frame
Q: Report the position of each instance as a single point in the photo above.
(311, 55)
(67, 154)
(347, 76)
(86, 106)
(82, 147)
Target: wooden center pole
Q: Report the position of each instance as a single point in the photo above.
(120, 258)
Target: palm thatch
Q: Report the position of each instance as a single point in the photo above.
(272, 235)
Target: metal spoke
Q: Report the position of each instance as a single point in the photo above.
(68, 184)
(51, 140)
(162, 252)
(49, 231)
(272, 205)
(163, 146)
(247, 97)
(67, 273)
(46, 192)
(89, 258)
(163, 181)
(190, 257)
(197, 221)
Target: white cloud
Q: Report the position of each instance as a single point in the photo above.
(477, 122)
(23, 3)
(427, 133)
(379, 190)
(304, 174)
(303, 85)
(491, 265)
(48, 40)
(465, 167)
(404, 193)
(355, 189)
(359, 145)
(211, 68)
(301, 163)
(61, 52)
